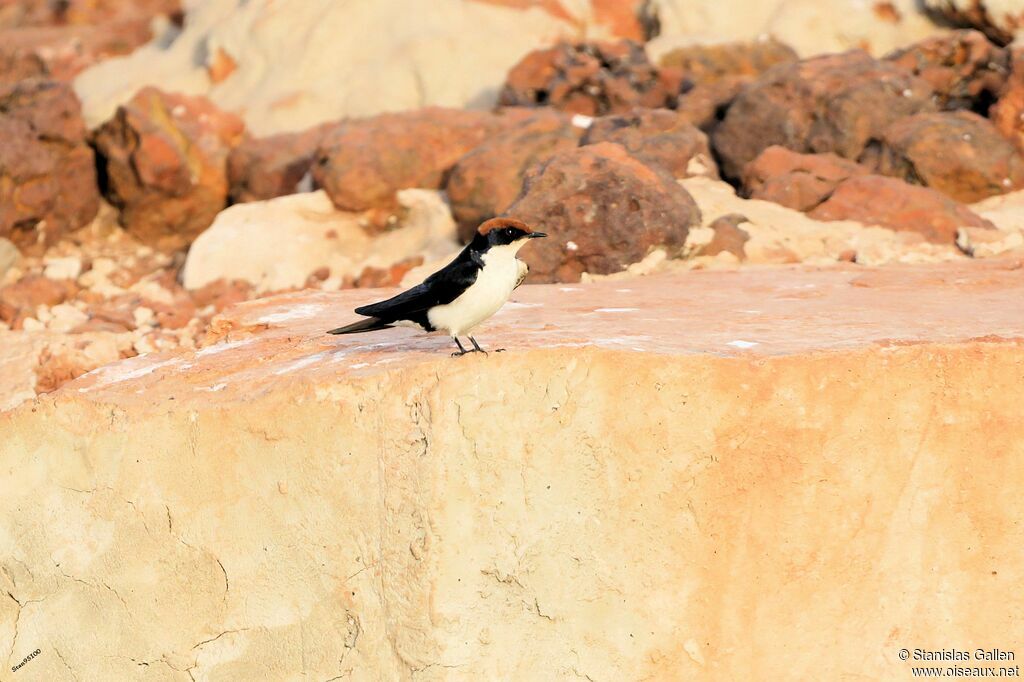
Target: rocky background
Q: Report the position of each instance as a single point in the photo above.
(165, 159)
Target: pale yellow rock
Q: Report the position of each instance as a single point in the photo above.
(64, 317)
(17, 364)
(782, 235)
(772, 474)
(1006, 211)
(277, 244)
(68, 267)
(9, 255)
(810, 27)
(303, 63)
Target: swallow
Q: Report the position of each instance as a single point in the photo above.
(462, 294)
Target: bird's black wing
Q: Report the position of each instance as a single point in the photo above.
(444, 286)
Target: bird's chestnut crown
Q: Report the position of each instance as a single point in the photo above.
(499, 231)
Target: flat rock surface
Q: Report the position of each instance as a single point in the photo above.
(761, 311)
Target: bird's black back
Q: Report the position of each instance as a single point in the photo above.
(441, 288)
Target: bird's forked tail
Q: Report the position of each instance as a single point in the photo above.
(367, 325)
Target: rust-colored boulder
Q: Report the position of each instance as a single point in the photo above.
(707, 78)
(998, 19)
(594, 79)
(892, 203)
(364, 162)
(799, 181)
(62, 52)
(19, 300)
(962, 67)
(17, 66)
(26, 13)
(47, 171)
(835, 103)
(702, 64)
(165, 161)
(957, 153)
(60, 38)
(603, 210)
(657, 137)
(266, 167)
(484, 182)
(1007, 114)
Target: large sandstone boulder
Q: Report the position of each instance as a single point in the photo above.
(164, 157)
(965, 70)
(278, 244)
(286, 67)
(484, 182)
(363, 163)
(262, 168)
(47, 171)
(835, 103)
(958, 153)
(603, 210)
(689, 457)
(809, 26)
(593, 79)
(892, 203)
(799, 181)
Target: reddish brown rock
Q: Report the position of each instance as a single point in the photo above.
(658, 137)
(18, 66)
(362, 163)
(702, 64)
(835, 103)
(267, 167)
(993, 17)
(799, 181)
(20, 299)
(484, 182)
(729, 237)
(965, 70)
(372, 278)
(707, 78)
(603, 210)
(62, 52)
(586, 78)
(64, 37)
(222, 294)
(892, 203)
(47, 172)
(958, 153)
(22, 13)
(165, 160)
(1007, 114)
(705, 104)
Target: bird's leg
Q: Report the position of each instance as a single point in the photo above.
(462, 351)
(481, 350)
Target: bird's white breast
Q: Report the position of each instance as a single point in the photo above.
(492, 288)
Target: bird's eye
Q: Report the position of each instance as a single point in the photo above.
(509, 231)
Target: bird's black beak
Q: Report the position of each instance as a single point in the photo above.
(537, 235)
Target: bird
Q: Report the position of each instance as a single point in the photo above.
(462, 294)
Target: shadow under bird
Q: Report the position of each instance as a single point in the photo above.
(462, 294)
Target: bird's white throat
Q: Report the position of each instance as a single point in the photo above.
(493, 286)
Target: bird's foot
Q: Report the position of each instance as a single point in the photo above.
(460, 353)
